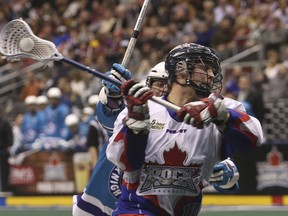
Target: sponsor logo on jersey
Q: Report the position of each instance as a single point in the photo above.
(154, 125)
(176, 131)
(115, 182)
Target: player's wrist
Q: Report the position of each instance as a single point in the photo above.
(235, 188)
(139, 127)
(222, 124)
(114, 102)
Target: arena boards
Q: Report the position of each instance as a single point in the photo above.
(208, 200)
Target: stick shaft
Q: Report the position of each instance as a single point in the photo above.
(91, 71)
(115, 82)
(58, 56)
(135, 34)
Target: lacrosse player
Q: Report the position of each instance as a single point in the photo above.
(55, 114)
(103, 189)
(157, 80)
(32, 124)
(168, 157)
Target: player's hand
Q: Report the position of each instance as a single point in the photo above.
(204, 112)
(136, 96)
(225, 177)
(218, 111)
(120, 73)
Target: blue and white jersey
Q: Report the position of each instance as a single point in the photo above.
(84, 126)
(107, 117)
(78, 139)
(31, 127)
(103, 189)
(54, 124)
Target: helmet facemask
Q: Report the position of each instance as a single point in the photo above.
(158, 85)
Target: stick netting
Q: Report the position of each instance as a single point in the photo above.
(10, 38)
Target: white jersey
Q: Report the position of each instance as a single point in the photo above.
(179, 158)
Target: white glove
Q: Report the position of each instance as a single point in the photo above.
(225, 176)
(221, 114)
(204, 112)
(136, 96)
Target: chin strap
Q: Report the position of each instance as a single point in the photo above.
(202, 90)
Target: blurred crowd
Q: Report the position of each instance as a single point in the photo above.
(97, 32)
(48, 123)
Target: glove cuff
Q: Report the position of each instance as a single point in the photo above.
(231, 190)
(111, 94)
(222, 124)
(137, 126)
(113, 103)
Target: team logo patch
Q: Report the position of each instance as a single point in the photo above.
(115, 182)
(173, 177)
(169, 180)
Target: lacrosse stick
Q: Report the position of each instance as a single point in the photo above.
(18, 41)
(135, 34)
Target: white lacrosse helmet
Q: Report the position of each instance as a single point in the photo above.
(88, 111)
(31, 99)
(54, 92)
(157, 72)
(42, 99)
(71, 120)
(93, 100)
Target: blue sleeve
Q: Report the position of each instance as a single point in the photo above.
(107, 116)
(236, 136)
(42, 119)
(136, 146)
(63, 112)
(30, 128)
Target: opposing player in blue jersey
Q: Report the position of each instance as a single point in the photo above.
(32, 124)
(103, 188)
(55, 113)
(77, 132)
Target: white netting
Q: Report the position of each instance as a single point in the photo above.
(10, 38)
(275, 122)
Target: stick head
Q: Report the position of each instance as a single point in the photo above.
(18, 41)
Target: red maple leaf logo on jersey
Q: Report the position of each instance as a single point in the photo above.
(175, 176)
(177, 157)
